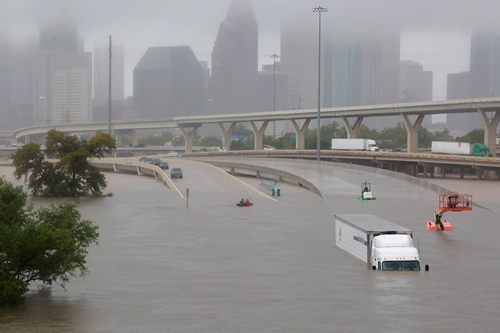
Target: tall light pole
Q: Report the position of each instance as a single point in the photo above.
(109, 88)
(88, 102)
(319, 10)
(274, 56)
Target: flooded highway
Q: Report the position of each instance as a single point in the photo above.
(164, 266)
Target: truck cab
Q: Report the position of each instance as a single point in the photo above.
(394, 253)
(478, 149)
(372, 145)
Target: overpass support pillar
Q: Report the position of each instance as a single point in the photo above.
(300, 140)
(119, 134)
(412, 132)
(119, 137)
(490, 128)
(188, 137)
(259, 134)
(227, 134)
(352, 130)
(133, 135)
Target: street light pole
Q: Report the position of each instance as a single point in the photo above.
(319, 10)
(88, 102)
(274, 56)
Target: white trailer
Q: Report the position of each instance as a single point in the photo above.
(381, 244)
(460, 148)
(354, 144)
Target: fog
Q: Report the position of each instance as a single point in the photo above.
(434, 33)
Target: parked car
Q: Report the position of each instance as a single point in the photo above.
(267, 147)
(156, 161)
(143, 159)
(17, 144)
(224, 149)
(147, 160)
(164, 165)
(176, 173)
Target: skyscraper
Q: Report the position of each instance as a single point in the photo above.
(21, 110)
(56, 85)
(299, 61)
(232, 88)
(362, 70)
(483, 79)
(168, 82)
(485, 65)
(415, 84)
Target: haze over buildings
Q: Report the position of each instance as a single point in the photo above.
(363, 43)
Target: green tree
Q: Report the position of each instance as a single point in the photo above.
(208, 141)
(158, 139)
(178, 141)
(42, 247)
(476, 136)
(239, 145)
(425, 137)
(443, 135)
(72, 175)
(365, 133)
(393, 137)
(239, 129)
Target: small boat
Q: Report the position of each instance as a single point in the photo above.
(246, 204)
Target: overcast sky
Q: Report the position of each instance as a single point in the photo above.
(436, 33)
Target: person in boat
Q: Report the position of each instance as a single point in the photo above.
(242, 201)
(247, 201)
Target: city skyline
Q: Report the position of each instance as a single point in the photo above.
(430, 35)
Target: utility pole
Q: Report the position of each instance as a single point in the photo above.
(319, 10)
(88, 91)
(274, 56)
(109, 111)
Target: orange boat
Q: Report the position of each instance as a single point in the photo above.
(246, 204)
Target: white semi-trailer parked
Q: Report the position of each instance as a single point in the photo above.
(381, 244)
(354, 144)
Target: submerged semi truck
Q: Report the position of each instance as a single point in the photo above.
(383, 245)
(354, 144)
(460, 148)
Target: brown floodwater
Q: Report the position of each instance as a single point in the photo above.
(164, 266)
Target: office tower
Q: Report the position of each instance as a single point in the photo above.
(101, 74)
(48, 87)
(485, 65)
(232, 88)
(58, 31)
(70, 101)
(380, 57)
(168, 82)
(299, 62)
(415, 84)
(458, 86)
(362, 69)
(342, 68)
(62, 72)
(272, 91)
(483, 79)
(21, 93)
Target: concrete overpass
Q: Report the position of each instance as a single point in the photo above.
(412, 115)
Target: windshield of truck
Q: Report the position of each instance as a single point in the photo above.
(401, 265)
(485, 152)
